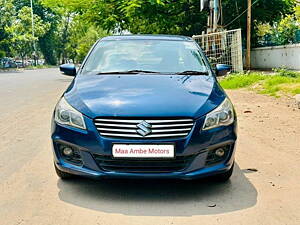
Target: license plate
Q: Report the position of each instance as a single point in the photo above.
(143, 151)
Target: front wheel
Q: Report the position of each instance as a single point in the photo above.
(61, 174)
(223, 177)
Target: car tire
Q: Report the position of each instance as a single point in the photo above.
(63, 175)
(223, 177)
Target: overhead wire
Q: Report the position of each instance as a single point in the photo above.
(241, 13)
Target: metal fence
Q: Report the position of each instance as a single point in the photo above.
(223, 48)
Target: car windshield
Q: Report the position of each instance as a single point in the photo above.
(157, 56)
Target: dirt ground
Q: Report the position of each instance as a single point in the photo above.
(264, 190)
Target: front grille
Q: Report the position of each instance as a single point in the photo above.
(144, 128)
(109, 163)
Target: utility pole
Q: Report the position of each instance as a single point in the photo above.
(212, 7)
(216, 15)
(211, 17)
(32, 24)
(248, 55)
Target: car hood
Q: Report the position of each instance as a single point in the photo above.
(144, 95)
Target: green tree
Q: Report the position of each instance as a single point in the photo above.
(139, 16)
(297, 13)
(263, 11)
(153, 16)
(263, 29)
(167, 16)
(75, 34)
(2, 54)
(67, 13)
(82, 36)
(21, 32)
(87, 40)
(48, 43)
(7, 10)
(283, 31)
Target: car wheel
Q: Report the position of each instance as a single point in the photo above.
(223, 177)
(63, 175)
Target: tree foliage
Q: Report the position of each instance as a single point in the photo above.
(47, 43)
(281, 32)
(169, 16)
(22, 38)
(263, 11)
(139, 16)
(82, 37)
(6, 13)
(70, 27)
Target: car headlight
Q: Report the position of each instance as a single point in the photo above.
(223, 115)
(66, 114)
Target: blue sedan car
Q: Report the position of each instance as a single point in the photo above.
(144, 106)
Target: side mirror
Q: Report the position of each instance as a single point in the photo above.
(222, 69)
(68, 69)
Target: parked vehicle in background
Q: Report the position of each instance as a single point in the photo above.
(19, 64)
(6, 63)
(41, 62)
(29, 62)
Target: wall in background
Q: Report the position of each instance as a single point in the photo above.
(276, 56)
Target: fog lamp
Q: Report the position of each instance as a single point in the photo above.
(67, 151)
(220, 152)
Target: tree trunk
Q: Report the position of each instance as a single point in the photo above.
(65, 38)
(22, 57)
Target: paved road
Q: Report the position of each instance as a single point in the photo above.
(30, 192)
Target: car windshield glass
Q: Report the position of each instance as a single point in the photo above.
(157, 56)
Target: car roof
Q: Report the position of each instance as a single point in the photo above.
(147, 37)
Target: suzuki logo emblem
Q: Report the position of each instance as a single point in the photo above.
(143, 128)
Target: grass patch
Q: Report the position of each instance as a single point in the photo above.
(241, 80)
(277, 84)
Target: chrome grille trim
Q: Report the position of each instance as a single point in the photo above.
(128, 128)
(148, 136)
(117, 130)
(173, 125)
(134, 131)
(148, 121)
(134, 126)
(114, 125)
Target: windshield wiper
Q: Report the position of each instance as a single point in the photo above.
(192, 72)
(117, 72)
(142, 71)
(128, 72)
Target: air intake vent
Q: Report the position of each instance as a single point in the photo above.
(143, 128)
(109, 163)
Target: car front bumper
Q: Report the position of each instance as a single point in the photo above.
(198, 143)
